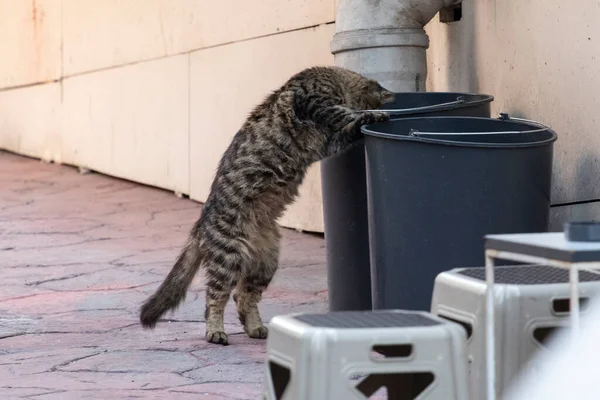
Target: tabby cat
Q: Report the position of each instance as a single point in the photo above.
(315, 114)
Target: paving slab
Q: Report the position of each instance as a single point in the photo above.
(78, 256)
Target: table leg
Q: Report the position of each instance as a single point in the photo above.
(490, 348)
(574, 299)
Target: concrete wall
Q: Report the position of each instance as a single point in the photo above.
(541, 60)
(152, 90)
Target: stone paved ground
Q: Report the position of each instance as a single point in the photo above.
(79, 253)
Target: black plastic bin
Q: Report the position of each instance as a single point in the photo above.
(345, 198)
(437, 185)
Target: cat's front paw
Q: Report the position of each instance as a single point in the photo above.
(373, 117)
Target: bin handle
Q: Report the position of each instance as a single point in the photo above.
(459, 100)
(506, 117)
(415, 132)
(502, 117)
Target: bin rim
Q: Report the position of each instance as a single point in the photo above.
(474, 100)
(368, 130)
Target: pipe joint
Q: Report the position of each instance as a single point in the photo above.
(383, 37)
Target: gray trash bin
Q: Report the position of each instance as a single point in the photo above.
(345, 198)
(437, 185)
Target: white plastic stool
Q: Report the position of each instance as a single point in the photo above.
(530, 303)
(577, 248)
(414, 355)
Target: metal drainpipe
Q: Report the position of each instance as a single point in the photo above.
(384, 40)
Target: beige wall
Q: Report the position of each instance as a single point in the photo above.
(541, 60)
(152, 90)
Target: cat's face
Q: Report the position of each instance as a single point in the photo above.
(371, 95)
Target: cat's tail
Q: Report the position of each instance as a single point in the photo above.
(172, 291)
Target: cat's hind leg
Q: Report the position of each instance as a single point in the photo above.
(254, 282)
(221, 279)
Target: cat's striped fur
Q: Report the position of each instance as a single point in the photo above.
(236, 240)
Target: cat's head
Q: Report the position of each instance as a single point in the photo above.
(374, 95)
(367, 94)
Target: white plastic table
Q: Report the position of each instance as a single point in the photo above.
(534, 248)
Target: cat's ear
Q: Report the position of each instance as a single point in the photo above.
(373, 86)
(376, 87)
